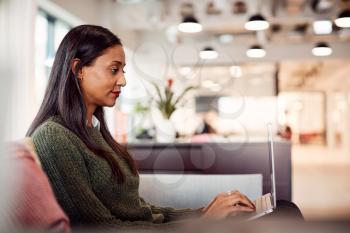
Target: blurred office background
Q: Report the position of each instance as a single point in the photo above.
(294, 73)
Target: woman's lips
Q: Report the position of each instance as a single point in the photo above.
(116, 93)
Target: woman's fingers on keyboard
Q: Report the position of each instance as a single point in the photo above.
(241, 208)
(235, 193)
(238, 200)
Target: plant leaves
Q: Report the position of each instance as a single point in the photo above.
(158, 91)
(183, 94)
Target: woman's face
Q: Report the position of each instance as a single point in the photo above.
(101, 82)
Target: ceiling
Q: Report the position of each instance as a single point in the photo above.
(291, 20)
(155, 47)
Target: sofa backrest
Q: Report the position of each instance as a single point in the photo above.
(218, 158)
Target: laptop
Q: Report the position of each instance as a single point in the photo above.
(267, 203)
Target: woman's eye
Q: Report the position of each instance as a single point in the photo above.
(114, 71)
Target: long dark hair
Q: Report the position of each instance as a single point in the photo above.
(63, 96)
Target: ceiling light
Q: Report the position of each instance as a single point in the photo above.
(343, 19)
(215, 88)
(185, 70)
(210, 84)
(256, 23)
(236, 71)
(190, 25)
(322, 27)
(322, 49)
(256, 52)
(208, 53)
(207, 83)
(226, 38)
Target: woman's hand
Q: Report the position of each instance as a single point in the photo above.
(228, 203)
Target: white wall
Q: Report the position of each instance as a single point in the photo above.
(16, 71)
(17, 41)
(305, 111)
(338, 124)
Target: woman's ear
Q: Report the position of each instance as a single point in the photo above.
(77, 73)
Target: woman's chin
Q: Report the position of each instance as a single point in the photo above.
(110, 103)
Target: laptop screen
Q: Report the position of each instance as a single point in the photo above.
(272, 164)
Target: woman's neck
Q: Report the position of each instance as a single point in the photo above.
(89, 113)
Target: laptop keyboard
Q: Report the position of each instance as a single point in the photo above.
(263, 203)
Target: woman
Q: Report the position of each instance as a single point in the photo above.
(94, 179)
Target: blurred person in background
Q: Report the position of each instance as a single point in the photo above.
(206, 128)
(208, 123)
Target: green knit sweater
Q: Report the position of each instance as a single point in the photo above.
(85, 188)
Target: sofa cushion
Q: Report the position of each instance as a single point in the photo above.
(35, 206)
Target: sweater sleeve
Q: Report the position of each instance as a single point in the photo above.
(173, 214)
(64, 165)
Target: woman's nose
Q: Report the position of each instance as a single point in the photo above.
(121, 81)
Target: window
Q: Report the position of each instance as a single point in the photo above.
(49, 32)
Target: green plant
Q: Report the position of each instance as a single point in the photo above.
(166, 102)
(140, 109)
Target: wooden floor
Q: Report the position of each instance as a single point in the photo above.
(321, 182)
